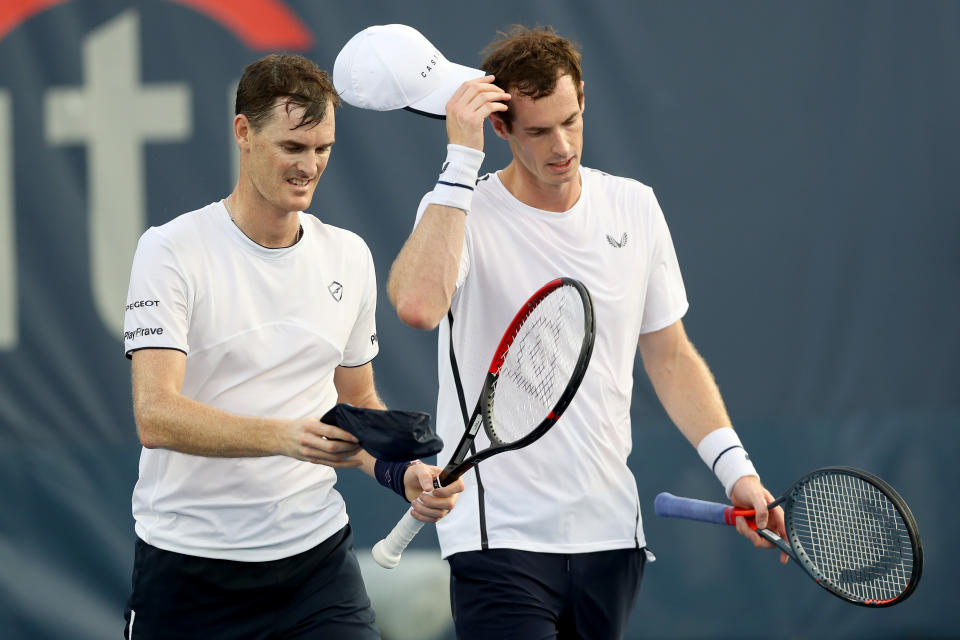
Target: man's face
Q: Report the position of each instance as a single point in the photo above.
(285, 162)
(547, 134)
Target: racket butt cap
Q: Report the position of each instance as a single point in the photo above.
(383, 558)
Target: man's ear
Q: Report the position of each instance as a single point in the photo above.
(241, 130)
(499, 126)
(583, 98)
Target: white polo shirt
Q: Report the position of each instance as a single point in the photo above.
(571, 491)
(263, 330)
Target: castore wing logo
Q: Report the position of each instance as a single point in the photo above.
(618, 243)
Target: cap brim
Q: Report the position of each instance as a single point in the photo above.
(434, 104)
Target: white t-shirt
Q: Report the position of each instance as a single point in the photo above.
(571, 491)
(263, 330)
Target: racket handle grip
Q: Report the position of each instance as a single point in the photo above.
(387, 552)
(668, 505)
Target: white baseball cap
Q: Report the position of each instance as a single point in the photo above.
(394, 66)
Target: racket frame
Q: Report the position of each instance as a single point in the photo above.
(666, 505)
(387, 551)
(482, 415)
(794, 548)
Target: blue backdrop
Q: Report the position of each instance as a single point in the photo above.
(805, 155)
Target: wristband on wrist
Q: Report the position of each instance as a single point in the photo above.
(722, 451)
(458, 177)
(390, 475)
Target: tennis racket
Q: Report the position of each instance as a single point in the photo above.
(848, 529)
(535, 372)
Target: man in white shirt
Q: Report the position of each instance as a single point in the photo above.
(246, 321)
(548, 541)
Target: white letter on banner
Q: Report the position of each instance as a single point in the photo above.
(114, 115)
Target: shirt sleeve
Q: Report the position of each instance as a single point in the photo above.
(362, 345)
(156, 315)
(666, 300)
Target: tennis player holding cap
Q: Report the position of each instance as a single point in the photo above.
(547, 542)
(246, 320)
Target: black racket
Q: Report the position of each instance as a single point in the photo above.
(535, 372)
(848, 529)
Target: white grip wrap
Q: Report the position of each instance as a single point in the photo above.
(458, 177)
(722, 451)
(387, 552)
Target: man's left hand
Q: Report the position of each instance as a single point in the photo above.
(749, 493)
(429, 504)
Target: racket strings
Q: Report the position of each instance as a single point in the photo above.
(854, 535)
(539, 364)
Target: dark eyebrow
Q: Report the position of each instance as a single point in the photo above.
(299, 145)
(569, 120)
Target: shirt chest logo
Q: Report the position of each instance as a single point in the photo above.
(336, 290)
(618, 244)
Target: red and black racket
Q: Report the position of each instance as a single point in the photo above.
(848, 529)
(535, 372)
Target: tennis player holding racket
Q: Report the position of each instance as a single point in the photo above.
(246, 321)
(548, 541)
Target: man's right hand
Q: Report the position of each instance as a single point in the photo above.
(469, 106)
(311, 440)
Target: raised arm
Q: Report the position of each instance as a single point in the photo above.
(423, 277)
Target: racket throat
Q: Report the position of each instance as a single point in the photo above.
(777, 541)
(463, 449)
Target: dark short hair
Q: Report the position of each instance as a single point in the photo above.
(529, 62)
(289, 76)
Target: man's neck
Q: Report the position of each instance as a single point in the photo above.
(537, 194)
(268, 228)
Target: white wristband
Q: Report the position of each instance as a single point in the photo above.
(458, 177)
(722, 451)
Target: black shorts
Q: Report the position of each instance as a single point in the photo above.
(503, 594)
(315, 594)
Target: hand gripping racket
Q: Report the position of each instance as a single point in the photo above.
(533, 376)
(848, 529)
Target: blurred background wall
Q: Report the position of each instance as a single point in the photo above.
(806, 157)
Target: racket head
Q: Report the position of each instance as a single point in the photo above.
(855, 535)
(536, 369)
(539, 364)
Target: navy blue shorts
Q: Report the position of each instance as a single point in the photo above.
(315, 594)
(504, 594)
